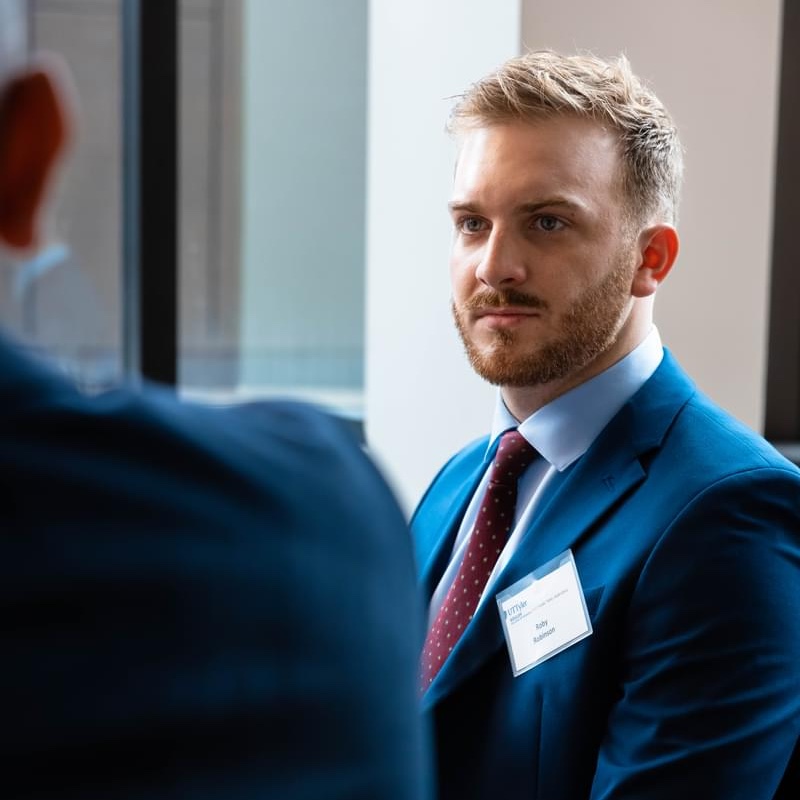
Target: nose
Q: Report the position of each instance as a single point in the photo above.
(501, 263)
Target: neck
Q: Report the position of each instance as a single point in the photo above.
(522, 401)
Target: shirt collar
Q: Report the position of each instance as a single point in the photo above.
(564, 429)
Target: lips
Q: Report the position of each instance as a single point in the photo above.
(506, 311)
(505, 317)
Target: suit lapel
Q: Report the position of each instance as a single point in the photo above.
(571, 505)
(574, 501)
(439, 516)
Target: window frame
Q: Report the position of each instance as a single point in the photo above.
(150, 190)
(782, 418)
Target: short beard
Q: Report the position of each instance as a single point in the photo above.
(587, 329)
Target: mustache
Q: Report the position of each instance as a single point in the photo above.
(488, 298)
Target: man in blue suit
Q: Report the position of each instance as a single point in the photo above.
(195, 603)
(613, 573)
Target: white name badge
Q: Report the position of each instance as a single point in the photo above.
(544, 613)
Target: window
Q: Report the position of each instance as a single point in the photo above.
(210, 232)
(273, 152)
(67, 299)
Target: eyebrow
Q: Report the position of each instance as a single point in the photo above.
(524, 208)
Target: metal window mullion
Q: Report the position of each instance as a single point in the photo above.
(150, 190)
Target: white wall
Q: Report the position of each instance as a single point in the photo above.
(422, 400)
(715, 64)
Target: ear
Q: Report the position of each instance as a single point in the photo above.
(658, 246)
(34, 129)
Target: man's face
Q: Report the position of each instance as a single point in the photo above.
(542, 257)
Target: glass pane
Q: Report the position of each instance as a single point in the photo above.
(66, 299)
(273, 153)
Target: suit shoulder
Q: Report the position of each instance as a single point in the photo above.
(186, 463)
(724, 443)
(306, 449)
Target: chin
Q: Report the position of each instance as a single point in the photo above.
(503, 364)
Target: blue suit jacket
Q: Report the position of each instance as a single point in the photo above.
(685, 527)
(198, 603)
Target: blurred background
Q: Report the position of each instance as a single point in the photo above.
(270, 161)
(256, 205)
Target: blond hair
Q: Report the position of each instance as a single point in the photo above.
(543, 84)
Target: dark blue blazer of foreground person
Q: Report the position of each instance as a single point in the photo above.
(685, 528)
(198, 603)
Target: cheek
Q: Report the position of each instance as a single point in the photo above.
(461, 276)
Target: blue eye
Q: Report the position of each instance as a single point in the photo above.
(471, 225)
(548, 224)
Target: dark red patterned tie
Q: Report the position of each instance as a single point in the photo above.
(489, 535)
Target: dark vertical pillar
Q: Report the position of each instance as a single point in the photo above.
(783, 366)
(150, 239)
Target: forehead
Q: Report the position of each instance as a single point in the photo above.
(521, 161)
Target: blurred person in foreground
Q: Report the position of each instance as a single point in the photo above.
(614, 572)
(194, 602)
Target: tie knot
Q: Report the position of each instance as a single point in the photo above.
(514, 454)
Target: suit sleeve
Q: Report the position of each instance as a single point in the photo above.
(709, 700)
